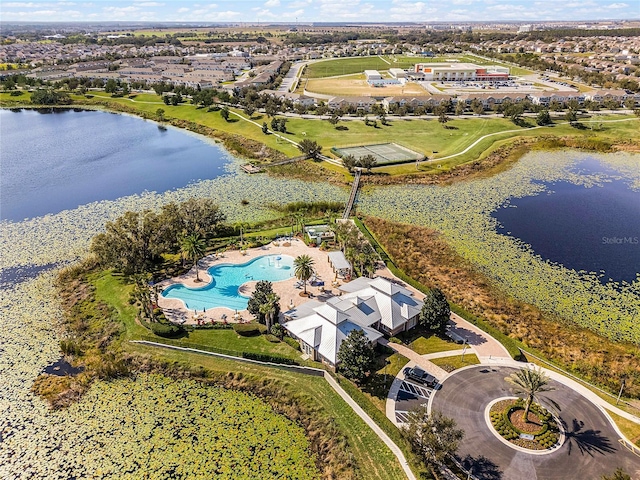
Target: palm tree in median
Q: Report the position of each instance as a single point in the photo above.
(529, 382)
(304, 269)
(193, 247)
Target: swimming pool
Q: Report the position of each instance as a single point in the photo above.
(227, 279)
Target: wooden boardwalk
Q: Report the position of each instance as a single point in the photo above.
(352, 197)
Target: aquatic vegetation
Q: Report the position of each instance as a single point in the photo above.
(462, 212)
(38, 443)
(65, 236)
(168, 428)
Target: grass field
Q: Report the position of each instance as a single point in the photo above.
(344, 66)
(150, 103)
(432, 344)
(358, 86)
(455, 362)
(425, 136)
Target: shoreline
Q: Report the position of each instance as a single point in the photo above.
(499, 153)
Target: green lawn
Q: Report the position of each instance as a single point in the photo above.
(432, 344)
(425, 136)
(344, 66)
(113, 291)
(455, 362)
(150, 104)
(374, 459)
(228, 339)
(630, 429)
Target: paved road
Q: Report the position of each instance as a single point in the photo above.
(590, 451)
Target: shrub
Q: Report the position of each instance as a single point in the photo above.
(292, 342)
(269, 358)
(249, 329)
(166, 329)
(70, 347)
(209, 326)
(272, 338)
(395, 340)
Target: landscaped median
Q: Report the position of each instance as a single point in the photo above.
(540, 431)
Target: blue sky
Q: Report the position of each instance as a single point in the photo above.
(318, 10)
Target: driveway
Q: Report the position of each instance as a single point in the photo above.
(591, 448)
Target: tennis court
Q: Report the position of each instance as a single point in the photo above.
(384, 153)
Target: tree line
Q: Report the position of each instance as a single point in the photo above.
(135, 242)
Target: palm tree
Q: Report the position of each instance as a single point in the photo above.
(529, 382)
(241, 226)
(304, 269)
(193, 247)
(268, 309)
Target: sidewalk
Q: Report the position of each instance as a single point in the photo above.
(416, 358)
(492, 352)
(373, 425)
(486, 347)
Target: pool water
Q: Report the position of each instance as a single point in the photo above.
(227, 279)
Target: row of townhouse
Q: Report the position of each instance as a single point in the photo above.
(295, 98)
(489, 100)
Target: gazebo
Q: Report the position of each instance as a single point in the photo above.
(340, 264)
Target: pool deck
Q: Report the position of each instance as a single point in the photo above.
(176, 311)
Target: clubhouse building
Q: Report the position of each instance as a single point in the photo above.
(376, 306)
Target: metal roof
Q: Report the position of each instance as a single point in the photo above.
(339, 261)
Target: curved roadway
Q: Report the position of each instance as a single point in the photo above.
(591, 448)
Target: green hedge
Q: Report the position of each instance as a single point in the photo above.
(209, 326)
(168, 330)
(269, 358)
(249, 329)
(292, 342)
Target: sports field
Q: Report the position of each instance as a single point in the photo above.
(385, 153)
(351, 85)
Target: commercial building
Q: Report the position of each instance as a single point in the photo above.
(461, 72)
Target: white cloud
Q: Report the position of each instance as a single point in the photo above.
(299, 3)
(293, 14)
(150, 4)
(404, 10)
(20, 5)
(183, 10)
(272, 3)
(121, 9)
(618, 5)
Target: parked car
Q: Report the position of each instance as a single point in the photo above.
(420, 376)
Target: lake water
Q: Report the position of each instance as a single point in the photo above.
(596, 229)
(56, 160)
